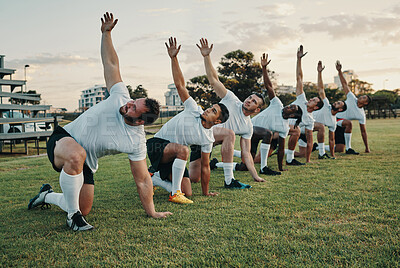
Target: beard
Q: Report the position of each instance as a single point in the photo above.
(202, 118)
(334, 108)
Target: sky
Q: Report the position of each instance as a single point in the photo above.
(60, 40)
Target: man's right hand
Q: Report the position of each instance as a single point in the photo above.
(108, 23)
(320, 68)
(160, 215)
(338, 66)
(172, 49)
(300, 52)
(205, 50)
(264, 60)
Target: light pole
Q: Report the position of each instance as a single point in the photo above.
(26, 89)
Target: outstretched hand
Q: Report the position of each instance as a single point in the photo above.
(205, 50)
(264, 60)
(300, 52)
(172, 49)
(320, 68)
(160, 215)
(338, 65)
(108, 23)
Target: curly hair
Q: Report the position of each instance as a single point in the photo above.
(153, 112)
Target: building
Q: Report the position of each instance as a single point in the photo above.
(91, 96)
(284, 89)
(171, 97)
(348, 76)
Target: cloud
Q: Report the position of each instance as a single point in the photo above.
(376, 29)
(158, 11)
(279, 10)
(51, 59)
(376, 72)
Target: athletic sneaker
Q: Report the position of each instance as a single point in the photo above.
(241, 167)
(324, 156)
(38, 200)
(235, 184)
(294, 163)
(213, 163)
(268, 171)
(179, 198)
(351, 151)
(314, 147)
(78, 222)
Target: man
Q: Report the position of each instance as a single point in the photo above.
(355, 111)
(168, 151)
(239, 123)
(307, 120)
(326, 116)
(113, 125)
(271, 120)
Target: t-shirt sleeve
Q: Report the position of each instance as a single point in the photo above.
(190, 104)
(249, 133)
(207, 148)
(230, 97)
(302, 97)
(332, 128)
(363, 120)
(119, 88)
(276, 102)
(326, 103)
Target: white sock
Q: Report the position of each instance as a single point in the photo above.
(321, 148)
(264, 149)
(327, 148)
(56, 199)
(157, 181)
(228, 172)
(347, 140)
(178, 168)
(71, 186)
(289, 155)
(219, 164)
(237, 153)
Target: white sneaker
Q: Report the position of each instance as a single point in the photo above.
(78, 223)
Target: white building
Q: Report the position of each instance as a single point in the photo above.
(348, 76)
(284, 89)
(91, 96)
(171, 97)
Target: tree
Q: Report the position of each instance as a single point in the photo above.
(238, 71)
(139, 92)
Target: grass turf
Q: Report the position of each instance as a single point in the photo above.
(342, 212)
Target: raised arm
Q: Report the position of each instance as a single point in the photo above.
(108, 55)
(321, 90)
(299, 71)
(212, 74)
(341, 77)
(267, 81)
(179, 81)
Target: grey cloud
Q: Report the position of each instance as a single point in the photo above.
(381, 29)
(378, 71)
(51, 59)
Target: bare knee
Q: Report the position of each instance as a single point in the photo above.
(230, 137)
(183, 152)
(73, 163)
(348, 126)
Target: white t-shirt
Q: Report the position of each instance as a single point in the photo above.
(272, 119)
(324, 116)
(352, 112)
(238, 122)
(307, 119)
(186, 129)
(101, 130)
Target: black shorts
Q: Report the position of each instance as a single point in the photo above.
(58, 134)
(155, 151)
(303, 137)
(195, 152)
(339, 135)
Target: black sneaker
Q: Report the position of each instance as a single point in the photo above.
(236, 185)
(324, 156)
(38, 200)
(351, 151)
(213, 163)
(294, 163)
(78, 223)
(241, 167)
(314, 147)
(268, 171)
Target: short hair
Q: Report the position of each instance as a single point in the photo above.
(320, 104)
(153, 112)
(224, 116)
(344, 106)
(261, 97)
(369, 99)
(298, 115)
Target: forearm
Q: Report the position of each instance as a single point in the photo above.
(364, 136)
(205, 179)
(177, 75)
(343, 82)
(212, 76)
(281, 154)
(268, 83)
(108, 54)
(309, 144)
(248, 161)
(321, 90)
(299, 78)
(145, 190)
(332, 143)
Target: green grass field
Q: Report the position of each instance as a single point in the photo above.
(342, 212)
